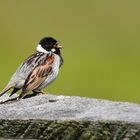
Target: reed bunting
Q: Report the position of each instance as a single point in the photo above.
(37, 71)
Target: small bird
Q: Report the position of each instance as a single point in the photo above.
(37, 71)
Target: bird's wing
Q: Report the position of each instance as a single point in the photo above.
(26, 67)
(39, 74)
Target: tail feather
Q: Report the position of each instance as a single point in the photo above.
(6, 89)
(14, 91)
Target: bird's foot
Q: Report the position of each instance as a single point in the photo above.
(41, 93)
(35, 93)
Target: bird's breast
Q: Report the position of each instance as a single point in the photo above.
(53, 75)
(56, 64)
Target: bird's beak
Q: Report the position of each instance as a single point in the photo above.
(60, 47)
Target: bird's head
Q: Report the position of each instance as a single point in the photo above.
(49, 44)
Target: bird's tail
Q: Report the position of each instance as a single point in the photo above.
(7, 88)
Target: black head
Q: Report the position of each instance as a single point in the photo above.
(50, 44)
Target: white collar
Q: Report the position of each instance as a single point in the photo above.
(39, 48)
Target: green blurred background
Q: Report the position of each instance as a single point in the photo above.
(101, 40)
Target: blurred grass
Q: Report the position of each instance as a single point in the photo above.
(101, 40)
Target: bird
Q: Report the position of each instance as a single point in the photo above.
(37, 71)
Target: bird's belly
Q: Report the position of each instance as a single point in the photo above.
(49, 80)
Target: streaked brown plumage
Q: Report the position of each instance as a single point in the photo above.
(39, 74)
(37, 71)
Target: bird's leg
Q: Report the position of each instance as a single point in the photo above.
(30, 95)
(35, 93)
(39, 92)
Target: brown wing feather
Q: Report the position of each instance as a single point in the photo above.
(39, 74)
